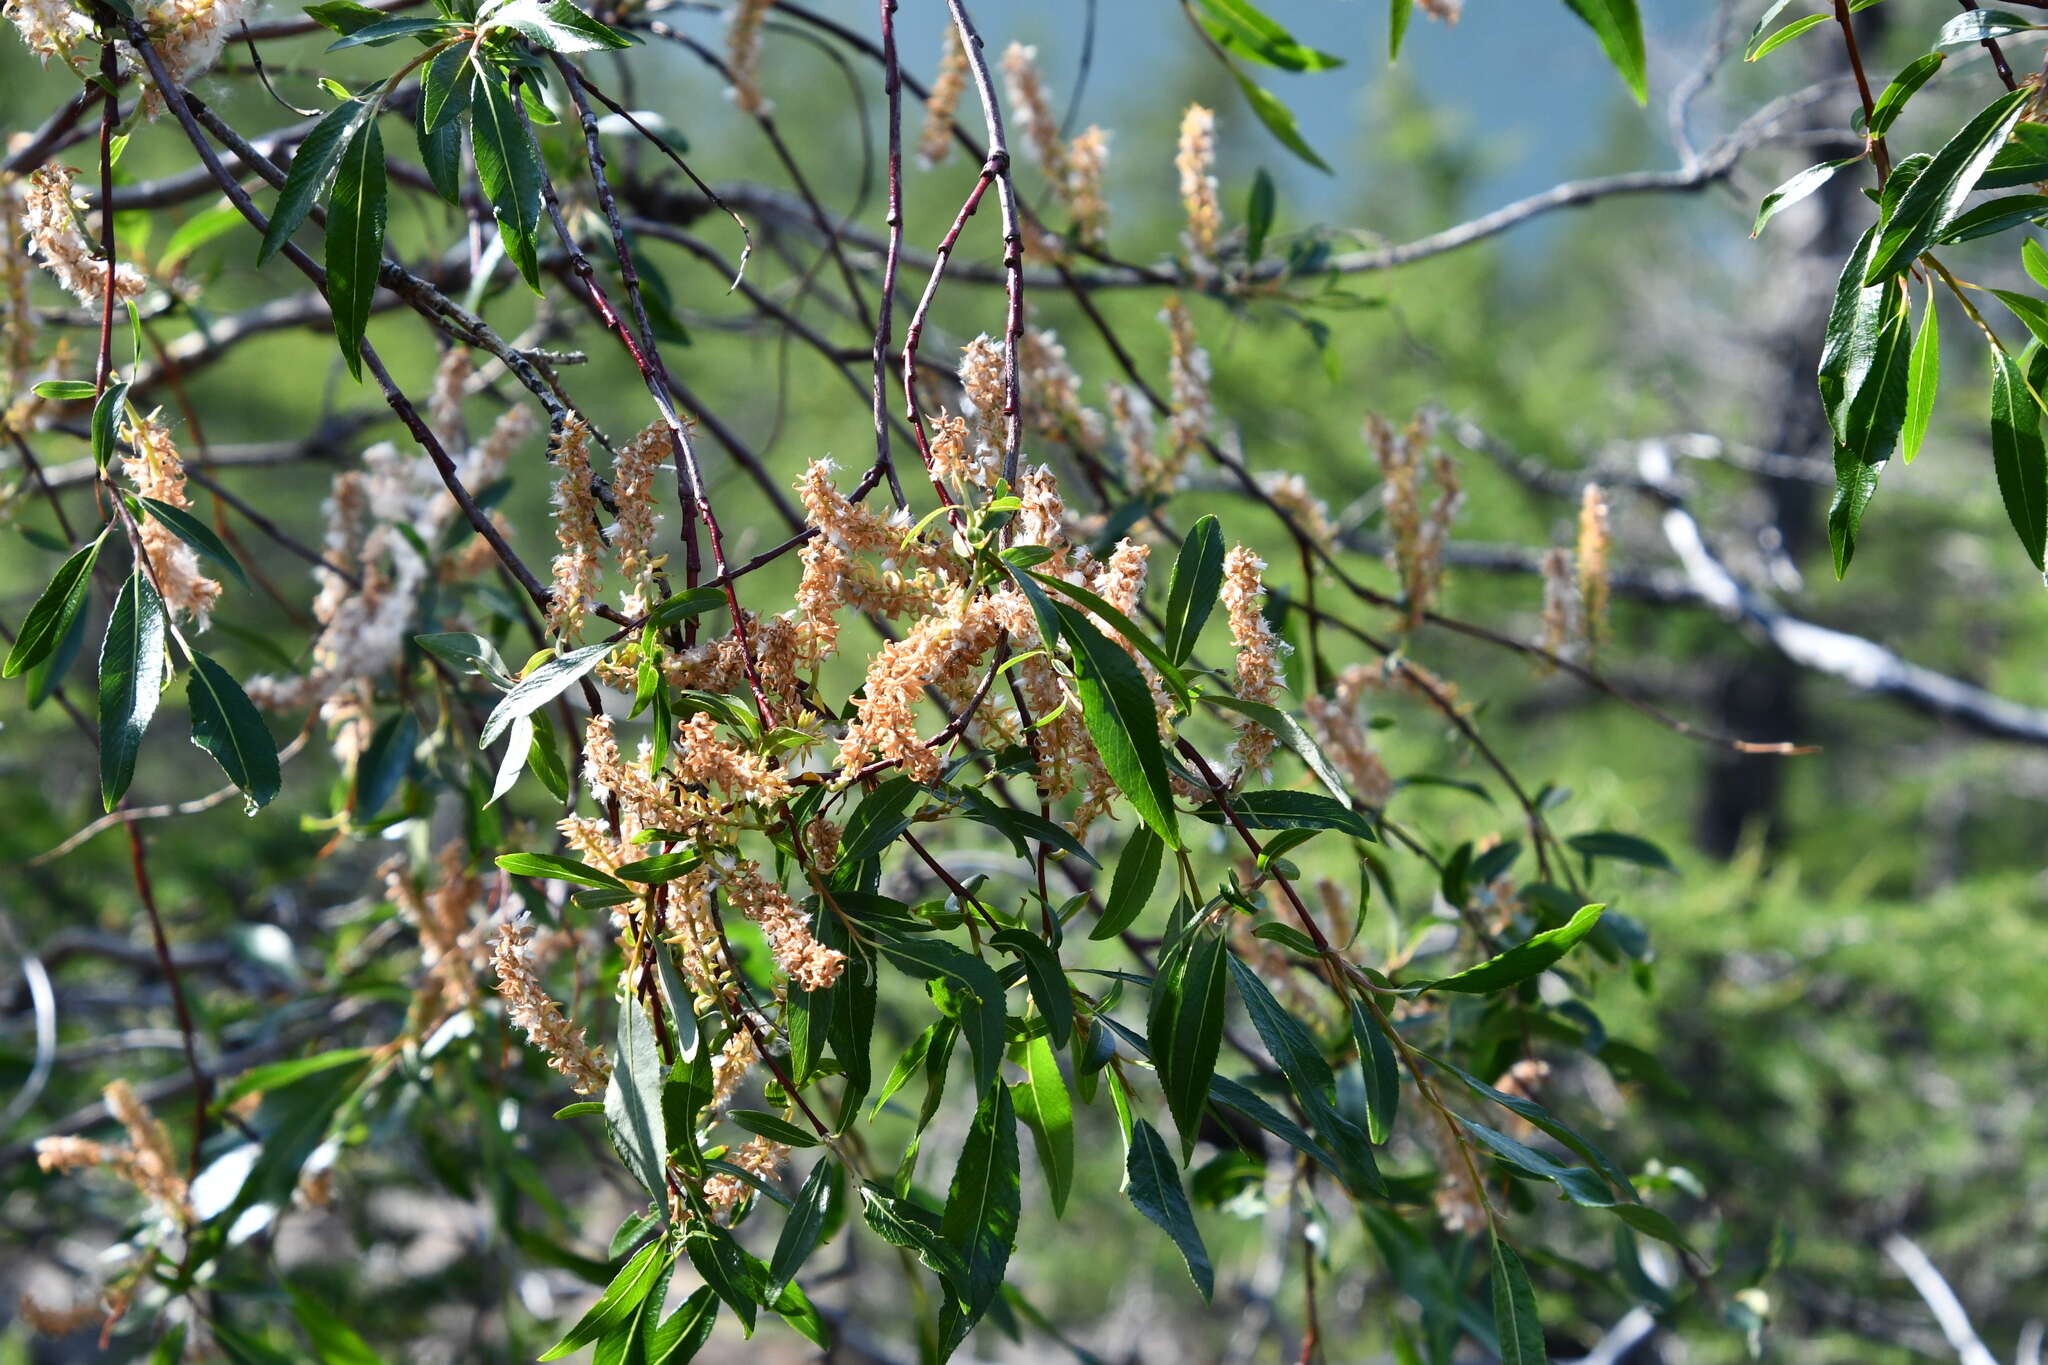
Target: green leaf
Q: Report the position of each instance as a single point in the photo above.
(445, 87)
(1139, 638)
(632, 1100)
(1923, 379)
(384, 764)
(387, 31)
(1526, 959)
(1048, 983)
(1798, 188)
(50, 618)
(1258, 215)
(1023, 827)
(1620, 30)
(620, 1300)
(1278, 118)
(133, 665)
(1759, 48)
(227, 725)
(1194, 586)
(685, 604)
(684, 1332)
(334, 1341)
(106, 422)
(558, 868)
(1130, 887)
(1116, 707)
(1982, 26)
(1577, 1183)
(1379, 1069)
(662, 867)
(1048, 1111)
(1289, 732)
(65, 390)
(901, 1223)
(1246, 1101)
(1892, 102)
(1185, 1028)
(2023, 160)
(804, 1229)
(973, 996)
(538, 688)
(1995, 216)
(2035, 259)
(771, 1126)
(508, 168)
(1863, 386)
(1398, 14)
(2017, 453)
(1542, 1118)
(1153, 1183)
(982, 1207)
(470, 654)
(1291, 810)
(559, 26)
(312, 167)
(278, 1075)
(732, 1274)
(196, 232)
(882, 815)
(1241, 28)
(1622, 848)
(344, 16)
(1308, 1075)
(1515, 1323)
(197, 534)
(355, 239)
(1937, 194)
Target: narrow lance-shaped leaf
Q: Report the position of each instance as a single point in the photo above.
(1398, 14)
(803, 1229)
(227, 725)
(1130, 887)
(1048, 1111)
(1892, 102)
(1923, 379)
(1193, 586)
(1938, 193)
(538, 688)
(1537, 954)
(1514, 1310)
(50, 618)
(1863, 387)
(632, 1100)
(106, 421)
(1279, 120)
(1379, 1070)
(197, 534)
(982, 1207)
(508, 168)
(355, 239)
(2017, 453)
(312, 167)
(1153, 1183)
(1186, 1030)
(1796, 189)
(1620, 30)
(133, 663)
(1116, 706)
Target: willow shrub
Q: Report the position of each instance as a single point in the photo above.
(726, 831)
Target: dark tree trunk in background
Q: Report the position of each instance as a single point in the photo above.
(1759, 696)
